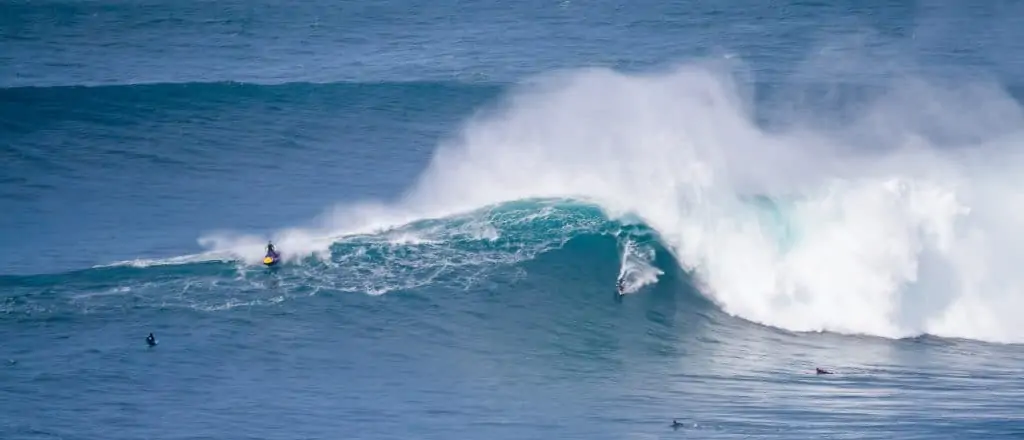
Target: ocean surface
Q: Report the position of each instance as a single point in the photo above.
(456, 188)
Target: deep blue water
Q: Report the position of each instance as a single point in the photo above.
(456, 188)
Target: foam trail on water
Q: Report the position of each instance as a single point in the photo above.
(312, 241)
(637, 268)
(205, 257)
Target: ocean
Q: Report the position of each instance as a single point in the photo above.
(456, 189)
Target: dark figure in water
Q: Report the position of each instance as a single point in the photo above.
(270, 250)
(151, 340)
(621, 285)
(820, 371)
(676, 424)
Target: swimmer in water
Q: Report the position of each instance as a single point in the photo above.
(151, 340)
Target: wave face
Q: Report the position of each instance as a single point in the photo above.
(900, 224)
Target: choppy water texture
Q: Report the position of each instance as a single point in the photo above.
(456, 189)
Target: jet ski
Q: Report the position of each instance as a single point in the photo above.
(272, 257)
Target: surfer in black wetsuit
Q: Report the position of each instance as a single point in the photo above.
(676, 424)
(821, 371)
(620, 284)
(151, 340)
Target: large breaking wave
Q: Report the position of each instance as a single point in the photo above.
(899, 220)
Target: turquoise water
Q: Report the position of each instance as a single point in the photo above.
(456, 189)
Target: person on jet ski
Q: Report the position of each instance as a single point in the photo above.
(270, 249)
